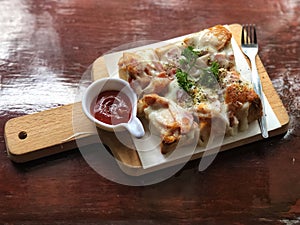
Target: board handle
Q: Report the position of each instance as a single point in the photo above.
(44, 133)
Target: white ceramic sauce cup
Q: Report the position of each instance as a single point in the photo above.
(134, 125)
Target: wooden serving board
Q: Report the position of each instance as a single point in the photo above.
(49, 132)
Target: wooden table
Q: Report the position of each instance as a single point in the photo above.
(46, 47)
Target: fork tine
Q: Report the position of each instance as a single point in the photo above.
(243, 37)
(250, 33)
(254, 35)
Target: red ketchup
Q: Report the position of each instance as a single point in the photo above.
(112, 107)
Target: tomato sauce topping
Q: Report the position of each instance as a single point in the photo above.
(112, 107)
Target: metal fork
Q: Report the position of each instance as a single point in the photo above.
(250, 49)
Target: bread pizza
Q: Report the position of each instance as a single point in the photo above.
(185, 87)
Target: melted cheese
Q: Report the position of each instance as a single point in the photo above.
(170, 55)
(169, 119)
(216, 43)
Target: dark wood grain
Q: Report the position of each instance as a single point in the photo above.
(46, 46)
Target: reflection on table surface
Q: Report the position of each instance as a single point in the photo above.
(46, 47)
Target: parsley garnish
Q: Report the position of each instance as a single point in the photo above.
(214, 68)
(208, 78)
(183, 81)
(189, 60)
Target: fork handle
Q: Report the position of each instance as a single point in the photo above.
(258, 89)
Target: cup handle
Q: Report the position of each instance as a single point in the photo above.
(135, 127)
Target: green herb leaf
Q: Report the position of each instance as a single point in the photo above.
(183, 81)
(190, 57)
(214, 68)
(210, 77)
